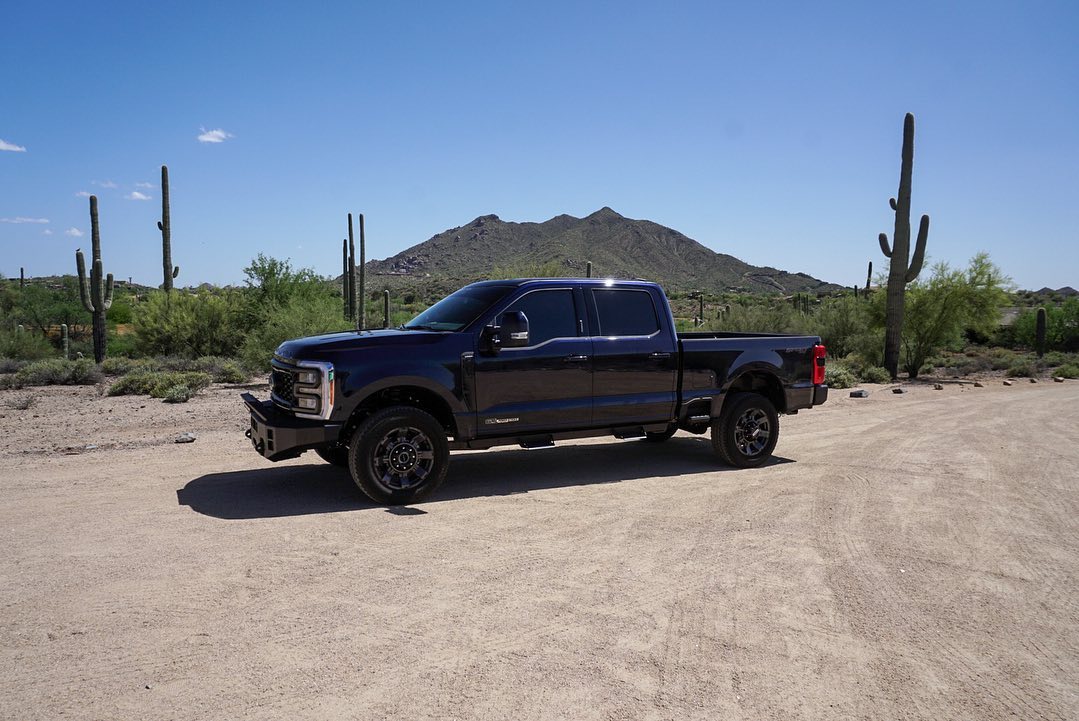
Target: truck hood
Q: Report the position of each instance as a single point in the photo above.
(325, 347)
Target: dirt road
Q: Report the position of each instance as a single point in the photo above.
(909, 556)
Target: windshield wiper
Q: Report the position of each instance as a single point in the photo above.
(419, 326)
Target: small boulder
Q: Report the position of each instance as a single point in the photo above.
(978, 385)
(938, 386)
(859, 394)
(1033, 380)
(1058, 379)
(899, 390)
(185, 438)
(1007, 383)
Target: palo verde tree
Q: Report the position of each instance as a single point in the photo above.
(899, 272)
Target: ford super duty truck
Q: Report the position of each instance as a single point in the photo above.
(527, 362)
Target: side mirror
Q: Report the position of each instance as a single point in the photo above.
(513, 329)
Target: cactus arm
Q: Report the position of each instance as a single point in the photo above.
(884, 245)
(891, 202)
(919, 250)
(106, 302)
(176, 271)
(84, 291)
(159, 226)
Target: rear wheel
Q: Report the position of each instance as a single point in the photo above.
(398, 455)
(746, 431)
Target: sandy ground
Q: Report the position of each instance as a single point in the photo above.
(906, 556)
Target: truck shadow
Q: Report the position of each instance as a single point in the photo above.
(320, 488)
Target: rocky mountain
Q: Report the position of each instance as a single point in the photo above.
(617, 247)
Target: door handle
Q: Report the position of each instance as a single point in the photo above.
(575, 358)
(660, 356)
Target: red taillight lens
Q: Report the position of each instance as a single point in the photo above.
(819, 354)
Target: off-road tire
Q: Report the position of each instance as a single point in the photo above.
(398, 455)
(737, 433)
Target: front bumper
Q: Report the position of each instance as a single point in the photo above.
(277, 435)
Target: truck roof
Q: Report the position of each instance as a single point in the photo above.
(517, 282)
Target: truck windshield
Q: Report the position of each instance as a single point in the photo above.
(457, 310)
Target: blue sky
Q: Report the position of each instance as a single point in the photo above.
(769, 131)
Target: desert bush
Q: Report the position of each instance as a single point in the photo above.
(1068, 370)
(839, 376)
(1022, 369)
(118, 366)
(1061, 326)
(10, 365)
(24, 345)
(57, 371)
(302, 316)
(179, 393)
(875, 374)
(842, 323)
(157, 383)
(188, 324)
(774, 316)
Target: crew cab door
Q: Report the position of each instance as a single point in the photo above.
(546, 385)
(635, 357)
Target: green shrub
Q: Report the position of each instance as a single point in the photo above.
(1022, 369)
(118, 366)
(839, 376)
(875, 374)
(10, 365)
(188, 324)
(302, 316)
(157, 383)
(24, 345)
(177, 394)
(1068, 370)
(57, 371)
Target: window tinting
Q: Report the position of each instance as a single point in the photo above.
(457, 310)
(625, 312)
(550, 313)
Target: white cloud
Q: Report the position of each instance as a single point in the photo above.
(20, 220)
(82, 194)
(144, 185)
(46, 232)
(104, 183)
(136, 195)
(12, 147)
(74, 232)
(216, 135)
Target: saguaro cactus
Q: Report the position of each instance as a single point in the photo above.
(588, 269)
(1039, 339)
(97, 293)
(22, 277)
(869, 275)
(165, 227)
(899, 272)
(344, 277)
(64, 340)
(385, 309)
(362, 271)
(351, 272)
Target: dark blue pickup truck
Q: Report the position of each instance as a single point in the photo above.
(527, 362)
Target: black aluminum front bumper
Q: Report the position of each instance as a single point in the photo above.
(277, 435)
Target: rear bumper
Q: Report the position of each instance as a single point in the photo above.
(277, 436)
(820, 394)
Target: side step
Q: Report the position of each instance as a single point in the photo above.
(532, 443)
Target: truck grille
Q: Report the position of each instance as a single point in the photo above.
(283, 385)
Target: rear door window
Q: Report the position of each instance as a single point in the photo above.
(625, 312)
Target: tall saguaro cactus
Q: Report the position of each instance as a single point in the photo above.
(869, 275)
(900, 273)
(361, 321)
(97, 293)
(344, 276)
(1039, 333)
(165, 226)
(351, 291)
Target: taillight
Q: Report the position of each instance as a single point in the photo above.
(819, 354)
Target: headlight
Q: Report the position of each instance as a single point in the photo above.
(308, 403)
(308, 378)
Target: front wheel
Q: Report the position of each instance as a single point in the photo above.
(336, 455)
(399, 455)
(746, 431)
